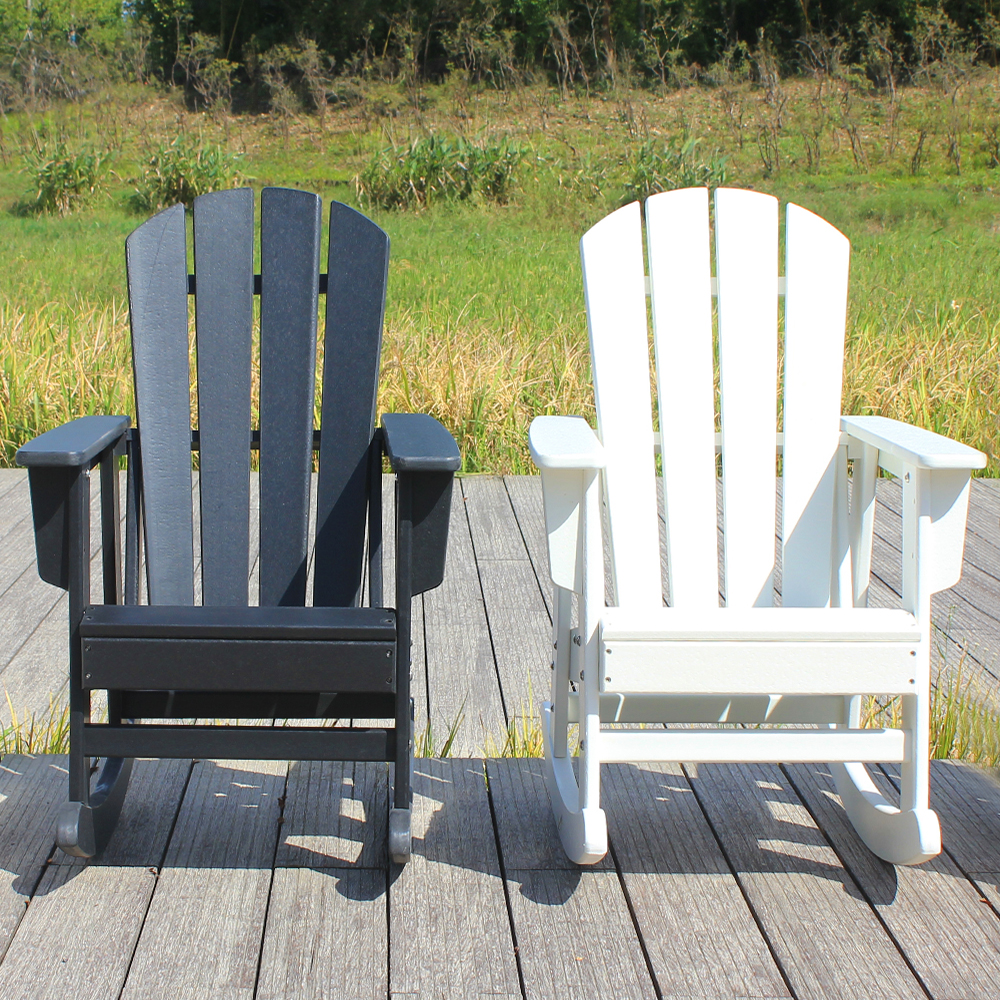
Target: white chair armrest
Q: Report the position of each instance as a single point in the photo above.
(936, 470)
(564, 443)
(569, 456)
(911, 445)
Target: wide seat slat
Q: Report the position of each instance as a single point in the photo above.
(760, 625)
(229, 664)
(278, 623)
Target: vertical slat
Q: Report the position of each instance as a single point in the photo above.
(156, 257)
(614, 284)
(355, 305)
(223, 261)
(817, 258)
(747, 265)
(289, 267)
(680, 275)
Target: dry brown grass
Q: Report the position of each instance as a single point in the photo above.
(58, 362)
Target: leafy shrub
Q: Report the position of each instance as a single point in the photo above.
(64, 179)
(656, 167)
(434, 167)
(181, 170)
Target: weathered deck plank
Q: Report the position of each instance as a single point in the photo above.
(213, 887)
(968, 801)
(32, 789)
(448, 925)
(934, 914)
(326, 936)
(519, 623)
(460, 666)
(559, 909)
(335, 815)
(79, 932)
(698, 931)
(797, 885)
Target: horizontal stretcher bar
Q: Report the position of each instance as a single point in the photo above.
(754, 746)
(653, 708)
(239, 742)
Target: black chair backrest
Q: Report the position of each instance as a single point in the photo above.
(289, 287)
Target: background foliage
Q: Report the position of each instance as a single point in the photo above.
(293, 54)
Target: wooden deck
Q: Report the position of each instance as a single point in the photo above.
(270, 880)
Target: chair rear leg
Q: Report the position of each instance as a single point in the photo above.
(400, 813)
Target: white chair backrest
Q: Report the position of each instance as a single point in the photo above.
(746, 238)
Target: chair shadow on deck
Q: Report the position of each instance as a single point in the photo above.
(747, 820)
(331, 817)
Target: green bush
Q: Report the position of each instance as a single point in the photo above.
(654, 167)
(64, 179)
(434, 167)
(181, 170)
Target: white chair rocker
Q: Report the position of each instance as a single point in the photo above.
(809, 661)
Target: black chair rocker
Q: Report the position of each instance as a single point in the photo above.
(173, 658)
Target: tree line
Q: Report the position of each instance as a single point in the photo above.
(258, 53)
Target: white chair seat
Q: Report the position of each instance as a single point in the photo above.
(759, 625)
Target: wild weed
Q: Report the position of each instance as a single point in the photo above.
(436, 168)
(656, 166)
(180, 170)
(63, 178)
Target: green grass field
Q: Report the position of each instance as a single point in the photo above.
(485, 325)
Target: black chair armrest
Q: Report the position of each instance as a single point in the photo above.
(56, 460)
(425, 458)
(74, 444)
(416, 442)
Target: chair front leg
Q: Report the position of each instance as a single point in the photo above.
(561, 659)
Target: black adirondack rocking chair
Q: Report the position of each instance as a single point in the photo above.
(175, 659)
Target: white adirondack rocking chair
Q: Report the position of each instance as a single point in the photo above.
(806, 663)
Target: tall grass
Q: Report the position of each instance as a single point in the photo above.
(47, 732)
(64, 178)
(964, 725)
(61, 361)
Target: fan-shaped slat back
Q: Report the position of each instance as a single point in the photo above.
(613, 277)
(223, 260)
(816, 268)
(290, 235)
(355, 307)
(680, 276)
(746, 236)
(156, 262)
